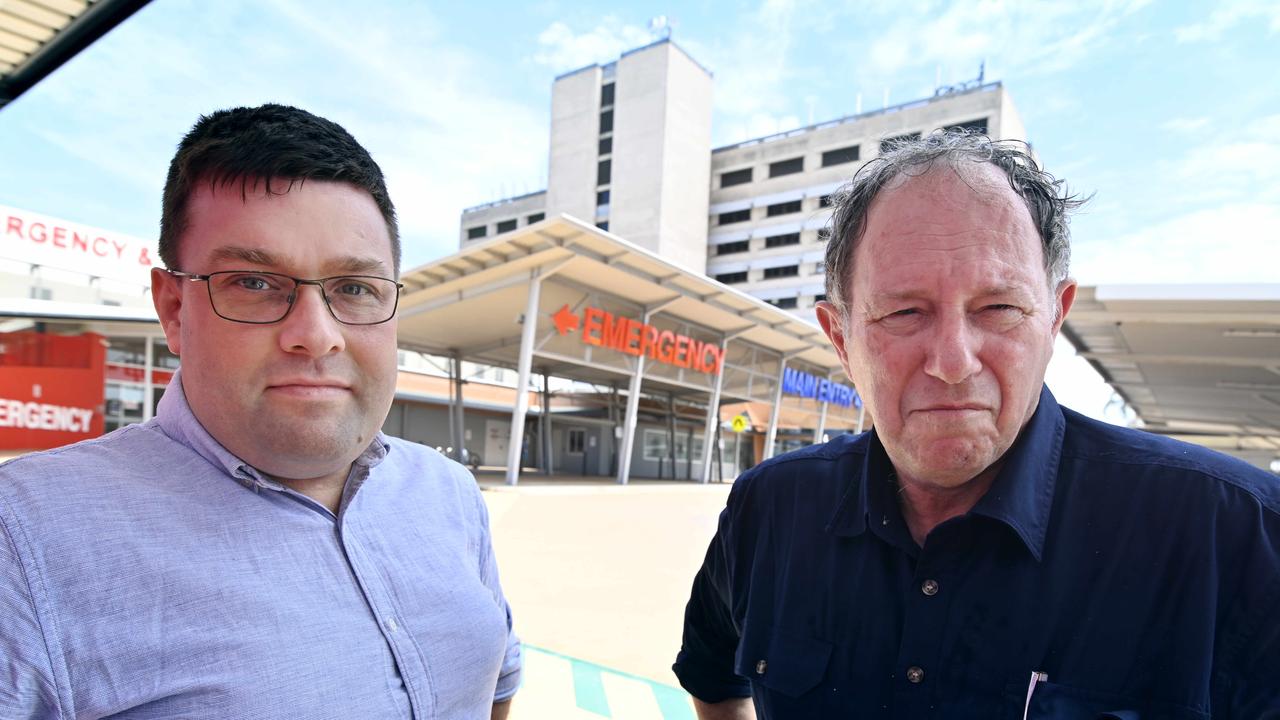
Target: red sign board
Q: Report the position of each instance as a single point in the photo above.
(604, 329)
(51, 389)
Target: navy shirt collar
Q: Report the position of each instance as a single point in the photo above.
(1021, 496)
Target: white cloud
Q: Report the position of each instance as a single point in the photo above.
(1231, 243)
(1033, 37)
(562, 49)
(1185, 124)
(1228, 15)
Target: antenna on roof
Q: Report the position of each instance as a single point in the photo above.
(660, 27)
(966, 85)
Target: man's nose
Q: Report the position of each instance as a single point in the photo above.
(953, 350)
(309, 327)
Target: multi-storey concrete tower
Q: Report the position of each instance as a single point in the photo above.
(631, 149)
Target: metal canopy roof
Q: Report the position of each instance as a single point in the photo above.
(471, 303)
(1198, 361)
(38, 36)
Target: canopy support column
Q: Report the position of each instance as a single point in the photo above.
(521, 409)
(712, 432)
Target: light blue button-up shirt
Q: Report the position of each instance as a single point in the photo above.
(152, 574)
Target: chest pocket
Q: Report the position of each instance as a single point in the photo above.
(777, 661)
(1052, 701)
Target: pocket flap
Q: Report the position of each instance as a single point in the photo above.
(788, 663)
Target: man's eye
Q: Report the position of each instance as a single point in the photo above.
(251, 282)
(355, 289)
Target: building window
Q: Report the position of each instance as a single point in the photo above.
(819, 298)
(606, 121)
(576, 438)
(606, 95)
(602, 198)
(735, 216)
(733, 247)
(840, 156)
(785, 208)
(780, 240)
(824, 234)
(506, 226)
(603, 225)
(478, 231)
(888, 144)
(824, 201)
(819, 268)
(737, 177)
(606, 145)
(786, 167)
(785, 303)
(536, 217)
(655, 444)
(731, 278)
(976, 127)
(604, 171)
(781, 272)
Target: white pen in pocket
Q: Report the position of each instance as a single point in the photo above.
(1036, 677)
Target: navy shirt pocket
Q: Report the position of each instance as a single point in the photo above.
(1053, 701)
(784, 668)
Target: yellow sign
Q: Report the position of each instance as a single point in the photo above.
(739, 423)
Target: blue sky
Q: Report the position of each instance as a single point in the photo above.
(1169, 113)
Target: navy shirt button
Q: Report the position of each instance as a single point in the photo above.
(915, 674)
(929, 587)
(761, 666)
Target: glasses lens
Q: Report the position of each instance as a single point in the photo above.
(361, 299)
(250, 296)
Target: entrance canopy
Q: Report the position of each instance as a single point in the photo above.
(1199, 361)
(564, 298)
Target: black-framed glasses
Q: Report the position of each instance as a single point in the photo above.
(262, 298)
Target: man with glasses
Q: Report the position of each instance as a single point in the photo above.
(259, 549)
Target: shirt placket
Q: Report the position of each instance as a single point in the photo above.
(371, 578)
(926, 606)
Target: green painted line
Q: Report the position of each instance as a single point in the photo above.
(673, 702)
(588, 689)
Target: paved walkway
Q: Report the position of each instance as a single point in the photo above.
(598, 576)
(558, 687)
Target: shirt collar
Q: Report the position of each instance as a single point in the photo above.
(1021, 495)
(175, 419)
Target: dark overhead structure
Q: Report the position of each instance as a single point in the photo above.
(38, 36)
(1200, 362)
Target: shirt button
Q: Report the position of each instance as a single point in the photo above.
(929, 587)
(391, 625)
(915, 674)
(761, 666)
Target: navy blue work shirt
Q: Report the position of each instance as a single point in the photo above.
(1126, 574)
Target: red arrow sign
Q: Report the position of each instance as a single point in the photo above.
(565, 320)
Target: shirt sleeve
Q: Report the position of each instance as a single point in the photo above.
(28, 690)
(705, 663)
(512, 660)
(1252, 639)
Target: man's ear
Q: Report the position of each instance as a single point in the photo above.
(832, 322)
(1063, 299)
(166, 294)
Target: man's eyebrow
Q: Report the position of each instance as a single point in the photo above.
(347, 264)
(250, 255)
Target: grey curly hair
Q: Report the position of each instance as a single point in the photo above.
(1046, 197)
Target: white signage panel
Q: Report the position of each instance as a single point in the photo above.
(51, 242)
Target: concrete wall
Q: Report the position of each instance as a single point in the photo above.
(575, 133)
(490, 215)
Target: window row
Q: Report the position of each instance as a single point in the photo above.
(790, 207)
(502, 226)
(771, 241)
(840, 156)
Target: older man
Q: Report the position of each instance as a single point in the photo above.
(982, 552)
(259, 549)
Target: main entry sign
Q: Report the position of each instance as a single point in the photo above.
(604, 329)
(803, 384)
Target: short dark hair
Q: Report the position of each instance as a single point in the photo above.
(265, 144)
(1046, 197)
